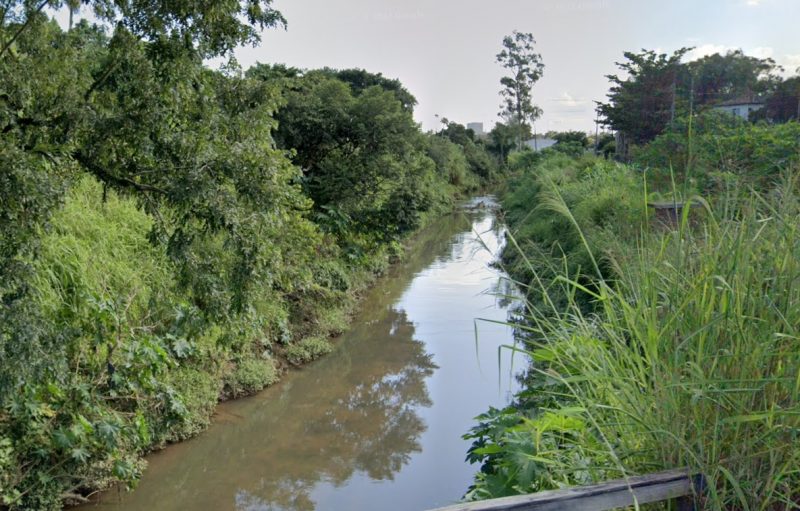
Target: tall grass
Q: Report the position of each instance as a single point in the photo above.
(691, 358)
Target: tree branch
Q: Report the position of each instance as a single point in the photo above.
(107, 177)
(23, 27)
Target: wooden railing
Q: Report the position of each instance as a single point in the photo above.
(672, 484)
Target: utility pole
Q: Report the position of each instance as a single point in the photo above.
(672, 106)
(691, 125)
(596, 131)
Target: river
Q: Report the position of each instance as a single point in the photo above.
(376, 424)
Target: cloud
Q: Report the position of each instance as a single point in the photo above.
(791, 63)
(759, 52)
(704, 50)
(566, 100)
(754, 3)
(762, 52)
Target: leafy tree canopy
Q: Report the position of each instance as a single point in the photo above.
(457, 133)
(733, 75)
(358, 147)
(501, 140)
(783, 104)
(360, 80)
(577, 137)
(214, 27)
(658, 88)
(145, 118)
(525, 66)
(640, 103)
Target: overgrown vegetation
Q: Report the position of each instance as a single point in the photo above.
(656, 346)
(657, 89)
(601, 195)
(171, 235)
(718, 153)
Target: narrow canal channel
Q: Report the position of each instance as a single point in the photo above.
(377, 424)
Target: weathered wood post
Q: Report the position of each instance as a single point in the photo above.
(668, 213)
(636, 490)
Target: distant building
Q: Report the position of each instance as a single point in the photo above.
(477, 127)
(740, 107)
(539, 143)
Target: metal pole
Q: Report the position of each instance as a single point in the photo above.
(596, 131)
(672, 107)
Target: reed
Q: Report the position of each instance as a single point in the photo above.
(691, 356)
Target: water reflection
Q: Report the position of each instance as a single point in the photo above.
(364, 420)
(374, 425)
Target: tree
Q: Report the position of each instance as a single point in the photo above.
(563, 137)
(360, 79)
(358, 151)
(641, 105)
(501, 139)
(606, 145)
(457, 133)
(479, 161)
(783, 104)
(525, 65)
(659, 88)
(128, 104)
(112, 107)
(212, 27)
(717, 77)
(449, 159)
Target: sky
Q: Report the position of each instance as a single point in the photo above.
(444, 51)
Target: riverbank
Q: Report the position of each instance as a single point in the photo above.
(371, 424)
(314, 321)
(156, 368)
(655, 343)
(173, 234)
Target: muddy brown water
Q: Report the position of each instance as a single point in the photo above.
(375, 425)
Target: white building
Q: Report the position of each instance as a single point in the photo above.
(477, 127)
(539, 143)
(740, 107)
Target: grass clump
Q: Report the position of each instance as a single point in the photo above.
(716, 151)
(139, 352)
(310, 348)
(250, 375)
(688, 356)
(605, 199)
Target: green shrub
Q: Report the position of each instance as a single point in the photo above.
(451, 163)
(521, 160)
(199, 389)
(606, 200)
(688, 359)
(721, 150)
(308, 349)
(109, 299)
(250, 375)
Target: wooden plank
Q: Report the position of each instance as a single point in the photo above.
(600, 497)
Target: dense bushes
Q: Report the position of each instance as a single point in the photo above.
(371, 174)
(159, 250)
(680, 352)
(720, 152)
(601, 196)
(450, 161)
(134, 362)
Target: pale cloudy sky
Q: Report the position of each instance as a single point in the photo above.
(444, 50)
